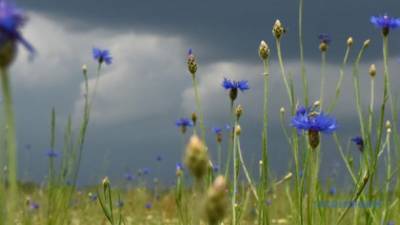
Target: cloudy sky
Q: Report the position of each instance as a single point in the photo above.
(147, 87)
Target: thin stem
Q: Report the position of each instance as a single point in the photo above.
(264, 169)
(340, 81)
(303, 67)
(235, 179)
(246, 172)
(283, 73)
(11, 147)
(322, 85)
(199, 111)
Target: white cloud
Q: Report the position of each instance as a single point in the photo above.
(149, 75)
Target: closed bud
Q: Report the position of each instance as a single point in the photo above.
(350, 41)
(317, 104)
(278, 30)
(239, 111)
(191, 63)
(216, 203)
(194, 118)
(282, 110)
(106, 183)
(323, 47)
(313, 139)
(196, 157)
(238, 130)
(366, 43)
(388, 124)
(8, 50)
(84, 69)
(372, 70)
(263, 50)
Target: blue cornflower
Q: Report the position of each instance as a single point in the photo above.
(184, 123)
(310, 120)
(34, 206)
(391, 223)
(359, 142)
(324, 38)
(215, 168)
(233, 87)
(52, 154)
(102, 55)
(11, 20)
(232, 84)
(179, 166)
(129, 176)
(332, 191)
(159, 158)
(315, 122)
(218, 133)
(217, 130)
(92, 197)
(148, 205)
(146, 171)
(385, 23)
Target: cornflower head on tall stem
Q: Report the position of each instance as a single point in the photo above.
(233, 87)
(192, 67)
(386, 23)
(183, 124)
(359, 142)
(102, 56)
(314, 122)
(218, 134)
(12, 20)
(325, 40)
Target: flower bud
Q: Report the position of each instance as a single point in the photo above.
(317, 104)
(196, 157)
(194, 118)
(191, 63)
(282, 110)
(323, 47)
(263, 50)
(388, 124)
(84, 69)
(8, 51)
(238, 111)
(366, 43)
(238, 130)
(106, 183)
(372, 70)
(278, 29)
(313, 139)
(350, 41)
(216, 202)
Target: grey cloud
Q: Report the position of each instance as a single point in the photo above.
(231, 30)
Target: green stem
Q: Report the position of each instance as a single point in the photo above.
(322, 85)
(283, 73)
(303, 67)
(235, 178)
(11, 148)
(199, 111)
(264, 170)
(340, 81)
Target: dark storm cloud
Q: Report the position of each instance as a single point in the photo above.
(232, 29)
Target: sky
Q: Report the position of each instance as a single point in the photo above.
(148, 87)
